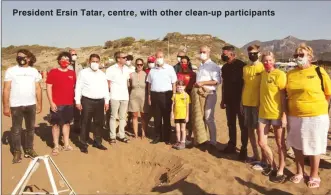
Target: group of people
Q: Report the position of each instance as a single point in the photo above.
(258, 94)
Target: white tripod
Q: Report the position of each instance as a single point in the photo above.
(34, 164)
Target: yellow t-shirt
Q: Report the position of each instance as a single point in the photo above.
(181, 101)
(304, 91)
(270, 99)
(252, 79)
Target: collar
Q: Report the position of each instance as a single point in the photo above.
(208, 61)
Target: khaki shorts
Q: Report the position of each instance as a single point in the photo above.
(251, 114)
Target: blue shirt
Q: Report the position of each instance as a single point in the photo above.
(162, 78)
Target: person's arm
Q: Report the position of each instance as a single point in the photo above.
(78, 91)
(173, 80)
(105, 89)
(188, 108)
(5, 97)
(173, 107)
(38, 93)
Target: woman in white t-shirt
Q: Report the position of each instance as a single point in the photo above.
(22, 99)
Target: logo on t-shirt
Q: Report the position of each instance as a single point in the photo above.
(71, 77)
(310, 77)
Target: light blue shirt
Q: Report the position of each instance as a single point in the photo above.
(162, 78)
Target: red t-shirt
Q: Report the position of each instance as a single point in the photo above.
(63, 86)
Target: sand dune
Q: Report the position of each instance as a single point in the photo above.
(143, 168)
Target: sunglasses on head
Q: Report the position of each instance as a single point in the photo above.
(139, 64)
(301, 55)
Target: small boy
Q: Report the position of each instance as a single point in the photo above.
(180, 112)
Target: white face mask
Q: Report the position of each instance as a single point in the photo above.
(302, 61)
(159, 61)
(74, 58)
(94, 66)
(203, 56)
(178, 59)
(128, 63)
(151, 65)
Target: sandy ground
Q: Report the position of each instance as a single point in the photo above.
(142, 168)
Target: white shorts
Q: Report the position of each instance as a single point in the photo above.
(308, 134)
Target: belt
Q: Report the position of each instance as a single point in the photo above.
(161, 91)
(92, 99)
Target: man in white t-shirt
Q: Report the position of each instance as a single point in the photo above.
(118, 76)
(22, 99)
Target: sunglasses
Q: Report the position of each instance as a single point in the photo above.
(140, 64)
(122, 57)
(180, 56)
(253, 53)
(301, 55)
(73, 54)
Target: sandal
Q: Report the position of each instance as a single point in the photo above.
(279, 178)
(269, 171)
(68, 148)
(314, 182)
(125, 140)
(112, 141)
(55, 151)
(296, 178)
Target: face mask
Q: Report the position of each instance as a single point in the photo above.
(268, 66)
(225, 58)
(184, 66)
(21, 60)
(302, 61)
(74, 58)
(128, 63)
(203, 56)
(180, 89)
(64, 63)
(253, 57)
(94, 66)
(178, 59)
(151, 65)
(159, 61)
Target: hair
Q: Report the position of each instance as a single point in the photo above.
(267, 53)
(117, 55)
(253, 47)
(158, 52)
(205, 46)
(181, 52)
(187, 58)
(129, 57)
(180, 83)
(71, 50)
(228, 48)
(29, 55)
(66, 54)
(303, 46)
(94, 56)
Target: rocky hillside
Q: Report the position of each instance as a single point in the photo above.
(284, 48)
(172, 42)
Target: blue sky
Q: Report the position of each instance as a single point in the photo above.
(304, 20)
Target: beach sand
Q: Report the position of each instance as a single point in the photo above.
(142, 168)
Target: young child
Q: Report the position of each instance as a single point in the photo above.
(180, 112)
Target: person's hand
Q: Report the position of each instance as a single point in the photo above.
(172, 115)
(39, 109)
(198, 85)
(6, 111)
(53, 107)
(79, 107)
(241, 108)
(223, 106)
(187, 119)
(106, 107)
(149, 100)
(284, 121)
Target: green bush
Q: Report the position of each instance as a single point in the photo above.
(108, 44)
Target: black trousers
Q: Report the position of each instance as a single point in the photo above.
(29, 115)
(77, 120)
(92, 109)
(232, 112)
(161, 108)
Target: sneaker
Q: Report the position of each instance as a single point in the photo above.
(30, 153)
(243, 154)
(180, 146)
(188, 142)
(175, 145)
(260, 166)
(17, 157)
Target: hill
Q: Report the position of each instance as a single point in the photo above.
(172, 42)
(284, 48)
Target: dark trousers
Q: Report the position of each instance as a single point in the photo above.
(77, 120)
(92, 109)
(107, 117)
(29, 115)
(161, 108)
(232, 112)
